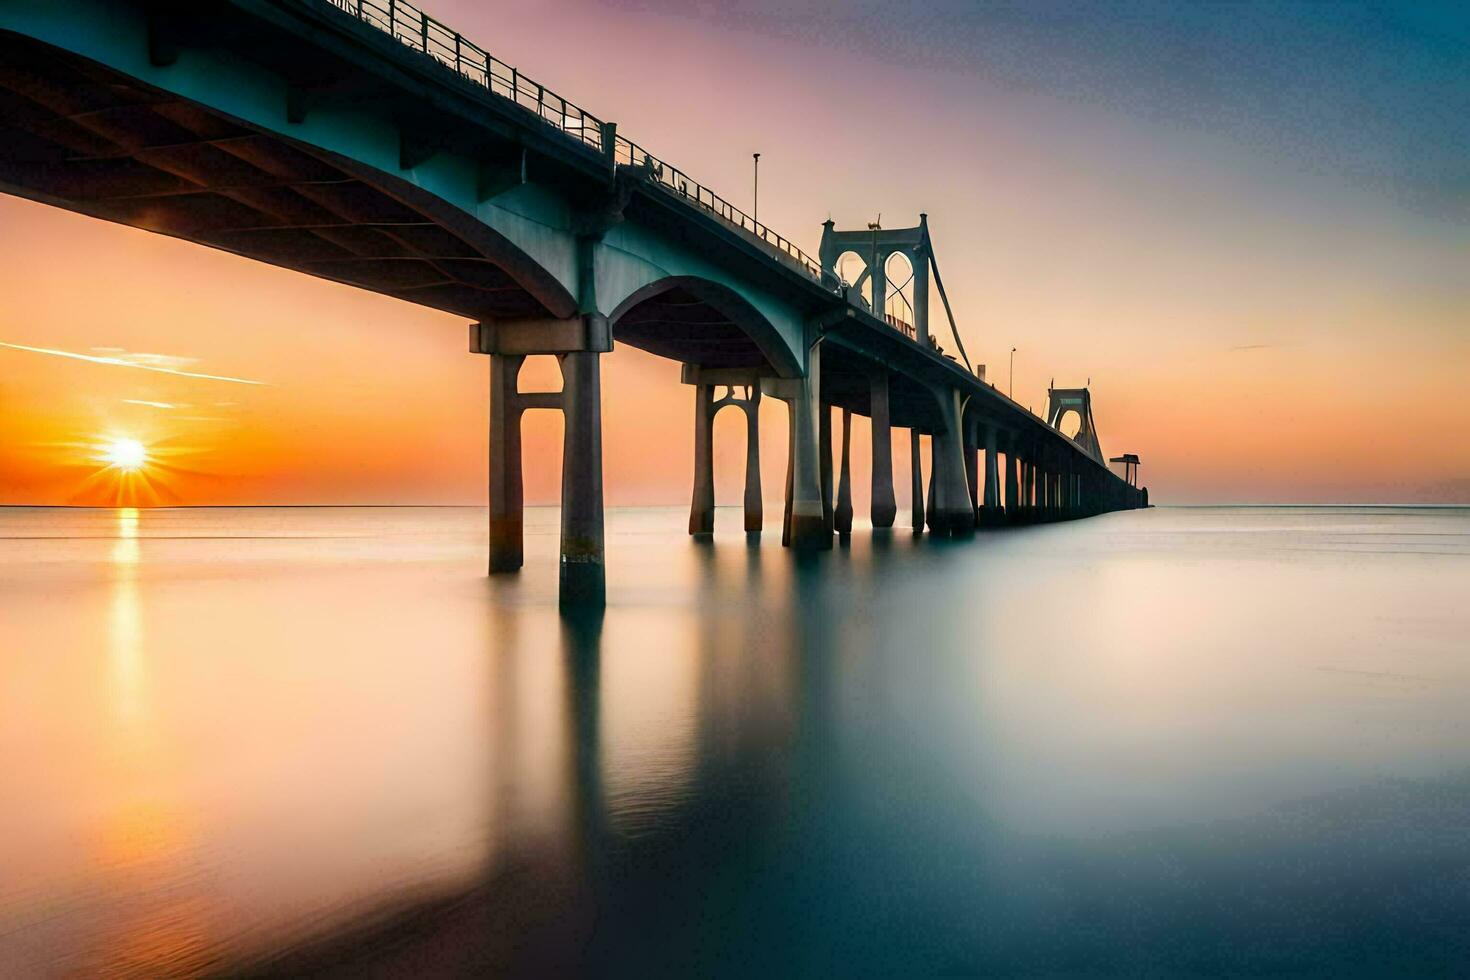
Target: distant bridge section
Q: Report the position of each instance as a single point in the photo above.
(364, 142)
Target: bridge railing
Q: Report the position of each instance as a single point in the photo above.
(682, 185)
(411, 26)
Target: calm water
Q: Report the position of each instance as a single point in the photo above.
(299, 741)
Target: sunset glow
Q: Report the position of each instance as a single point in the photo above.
(1229, 280)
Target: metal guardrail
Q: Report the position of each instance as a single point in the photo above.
(682, 185)
(414, 28)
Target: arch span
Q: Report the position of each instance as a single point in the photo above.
(698, 321)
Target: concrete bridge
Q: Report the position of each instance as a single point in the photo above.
(364, 142)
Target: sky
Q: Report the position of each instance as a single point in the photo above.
(1247, 225)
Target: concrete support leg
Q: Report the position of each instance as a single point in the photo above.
(1028, 493)
(931, 515)
(884, 507)
(842, 512)
(702, 507)
(917, 481)
(754, 509)
(583, 579)
(972, 476)
(806, 526)
(809, 528)
(993, 511)
(953, 513)
(1012, 501)
(507, 503)
(824, 459)
(790, 473)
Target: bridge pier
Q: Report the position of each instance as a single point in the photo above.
(883, 507)
(702, 507)
(1029, 492)
(705, 382)
(507, 500)
(931, 513)
(577, 343)
(972, 470)
(583, 576)
(993, 513)
(754, 507)
(916, 482)
(805, 525)
(951, 512)
(842, 513)
(1012, 504)
(824, 459)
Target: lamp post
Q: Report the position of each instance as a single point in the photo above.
(755, 207)
(1011, 385)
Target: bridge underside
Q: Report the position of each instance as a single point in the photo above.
(80, 136)
(681, 325)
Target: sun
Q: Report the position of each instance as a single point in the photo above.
(128, 455)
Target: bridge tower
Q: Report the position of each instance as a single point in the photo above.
(875, 246)
(1061, 402)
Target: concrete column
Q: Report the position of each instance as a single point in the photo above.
(952, 512)
(884, 507)
(507, 502)
(702, 507)
(1012, 501)
(806, 528)
(842, 513)
(824, 459)
(917, 481)
(932, 515)
(993, 511)
(754, 509)
(972, 473)
(1028, 489)
(583, 579)
(790, 473)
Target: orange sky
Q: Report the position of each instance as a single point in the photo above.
(1258, 328)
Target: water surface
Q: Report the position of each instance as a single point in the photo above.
(320, 741)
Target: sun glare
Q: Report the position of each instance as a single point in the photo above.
(125, 454)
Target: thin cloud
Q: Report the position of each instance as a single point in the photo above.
(142, 401)
(155, 362)
(1253, 347)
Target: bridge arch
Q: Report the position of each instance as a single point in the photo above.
(699, 321)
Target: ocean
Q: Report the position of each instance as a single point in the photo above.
(305, 741)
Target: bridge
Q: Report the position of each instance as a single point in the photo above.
(364, 142)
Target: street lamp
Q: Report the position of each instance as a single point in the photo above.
(1011, 385)
(756, 196)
